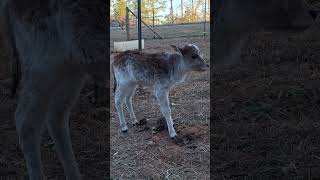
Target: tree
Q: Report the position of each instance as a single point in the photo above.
(193, 11)
(150, 6)
(119, 10)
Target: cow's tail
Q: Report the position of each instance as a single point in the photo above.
(10, 46)
(16, 75)
(15, 63)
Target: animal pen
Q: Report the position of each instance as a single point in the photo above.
(159, 27)
(147, 151)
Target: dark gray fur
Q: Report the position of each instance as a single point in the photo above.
(235, 19)
(54, 46)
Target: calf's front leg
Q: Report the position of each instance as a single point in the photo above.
(128, 102)
(162, 96)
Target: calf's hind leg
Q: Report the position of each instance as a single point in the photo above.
(119, 100)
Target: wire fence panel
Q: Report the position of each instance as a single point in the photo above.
(167, 31)
(166, 25)
(172, 30)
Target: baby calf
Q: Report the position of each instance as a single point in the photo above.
(160, 71)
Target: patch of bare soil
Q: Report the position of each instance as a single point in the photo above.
(265, 111)
(146, 151)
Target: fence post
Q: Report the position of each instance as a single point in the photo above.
(171, 12)
(182, 8)
(139, 25)
(205, 17)
(154, 36)
(127, 23)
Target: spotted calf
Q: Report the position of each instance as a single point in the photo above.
(160, 71)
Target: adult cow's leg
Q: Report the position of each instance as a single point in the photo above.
(100, 95)
(232, 24)
(30, 116)
(63, 98)
(228, 40)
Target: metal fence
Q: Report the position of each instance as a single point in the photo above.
(158, 26)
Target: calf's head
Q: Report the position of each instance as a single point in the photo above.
(192, 59)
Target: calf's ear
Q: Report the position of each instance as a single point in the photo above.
(177, 49)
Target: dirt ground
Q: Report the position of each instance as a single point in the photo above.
(140, 154)
(265, 110)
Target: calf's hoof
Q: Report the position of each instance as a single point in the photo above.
(173, 135)
(134, 123)
(177, 140)
(124, 129)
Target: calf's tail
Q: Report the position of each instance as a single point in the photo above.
(114, 80)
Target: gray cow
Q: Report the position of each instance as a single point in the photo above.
(235, 19)
(55, 44)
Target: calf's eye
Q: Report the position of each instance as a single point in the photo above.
(194, 56)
